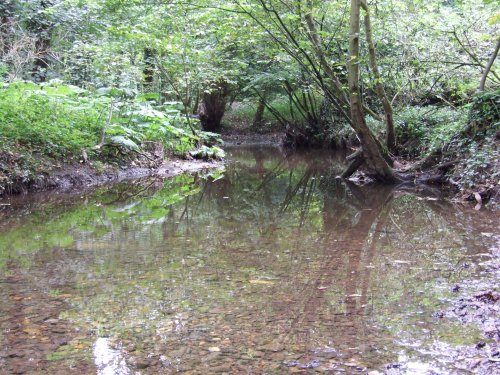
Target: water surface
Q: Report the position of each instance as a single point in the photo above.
(269, 266)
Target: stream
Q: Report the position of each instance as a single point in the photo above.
(270, 265)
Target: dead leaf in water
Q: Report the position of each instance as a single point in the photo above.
(262, 282)
(402, 262)
(32, 331)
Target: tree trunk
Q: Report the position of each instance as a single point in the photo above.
(373, 157)
(42, 29)
(194, 109)
(40, 64)
(149, 68)
(5, 28)
(318, 49)
(259, 113)
(213, 106)
(389, 118)
(338, 90)
(488, 67)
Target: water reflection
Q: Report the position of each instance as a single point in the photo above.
(272, 265)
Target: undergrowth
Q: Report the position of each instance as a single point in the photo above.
(240, 117)
(465, 137)
(45, 125)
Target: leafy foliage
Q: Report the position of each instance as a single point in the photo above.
(63, 122)
(148, 66)
(485, 109)
(422, 130)
(55, 120)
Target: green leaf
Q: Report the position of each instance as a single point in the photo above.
(124, 142)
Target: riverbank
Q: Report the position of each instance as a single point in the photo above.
(82, 176)
(55, 135)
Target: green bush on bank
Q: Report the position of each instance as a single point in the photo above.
(422, 130)
(477, 145)
(59, 120)
(53, 120)
(465, 136)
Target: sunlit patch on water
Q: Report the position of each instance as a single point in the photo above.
(107, 360)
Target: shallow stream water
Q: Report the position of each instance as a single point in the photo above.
(270, 265)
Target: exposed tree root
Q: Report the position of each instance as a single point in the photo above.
(423, 172)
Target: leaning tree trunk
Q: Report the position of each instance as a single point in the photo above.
(493, 57)
(371, 155)
(389, 118)
(213, 106)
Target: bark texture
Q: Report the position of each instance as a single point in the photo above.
(149, 68)
(389, 118)
(372, 156)
(213, 106)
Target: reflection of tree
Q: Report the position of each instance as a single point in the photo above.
(353, 219)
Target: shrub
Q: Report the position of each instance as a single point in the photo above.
(55, 120)
(422, 130)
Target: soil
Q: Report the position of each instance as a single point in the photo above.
(83, 176)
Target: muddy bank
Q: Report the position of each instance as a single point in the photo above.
(84, 176)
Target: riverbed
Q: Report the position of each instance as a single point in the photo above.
(267, 265)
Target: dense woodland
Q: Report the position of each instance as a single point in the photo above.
(412, 87)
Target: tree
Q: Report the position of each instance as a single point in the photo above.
(371, 154)
(306, 47)
(213, 106)
(488, 67)
(389, 118)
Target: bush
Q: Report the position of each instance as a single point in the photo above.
(422, 130)
(54, 120)
(43, 125)
(485, 110)
(59, 120)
